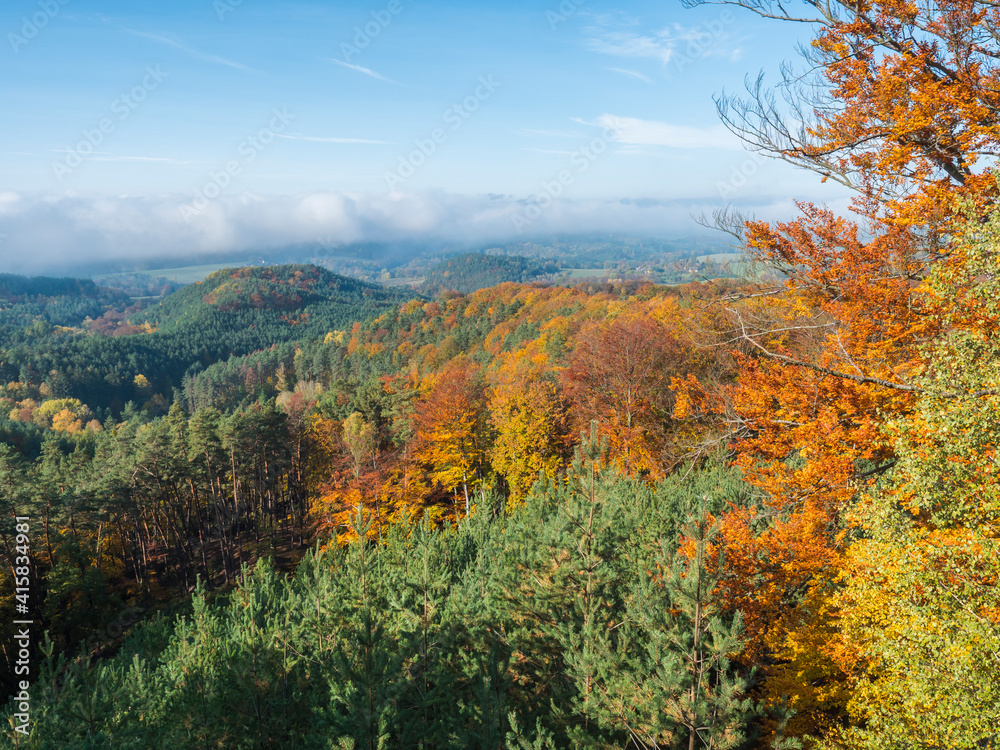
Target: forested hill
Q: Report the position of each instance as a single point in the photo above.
(241, 310)
(734, 514)
(95, 348)
(32, 307)
(290, 295)
(473, 271)
(22, 289)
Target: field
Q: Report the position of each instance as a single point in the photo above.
(721, 257)
(734, 262)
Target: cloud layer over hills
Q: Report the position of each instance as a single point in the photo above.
(50, 234)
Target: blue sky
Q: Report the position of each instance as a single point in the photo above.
(204, 125)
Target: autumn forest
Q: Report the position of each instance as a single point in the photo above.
(286, 508)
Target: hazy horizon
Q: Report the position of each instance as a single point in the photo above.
(228, 126)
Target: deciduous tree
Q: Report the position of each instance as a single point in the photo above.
(450, 426)
(619, 376)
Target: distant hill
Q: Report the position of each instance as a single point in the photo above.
(32, 306)
(27, 288)
(233, 312)
(473, 271)
(271, 301)
(140, 285)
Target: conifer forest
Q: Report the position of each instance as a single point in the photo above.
(506, 508)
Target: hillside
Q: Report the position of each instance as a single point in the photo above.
(472, 271)
(558, 484)
(31, 306)
(124, 354)
(469, 465)
(267, 304)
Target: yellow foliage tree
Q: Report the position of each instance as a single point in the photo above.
(66, 421)
(450, 422)
(528, 419)
(68, 411)
(921, 600)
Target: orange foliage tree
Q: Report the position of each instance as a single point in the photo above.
(450, 428)
(902, 107)
(826, 360)
(619, 376)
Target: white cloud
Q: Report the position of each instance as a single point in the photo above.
(361, 69)
(52, 233)
(191, 51)
(657, 45)
(632, 74)
(633, 131)
(685, 43)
